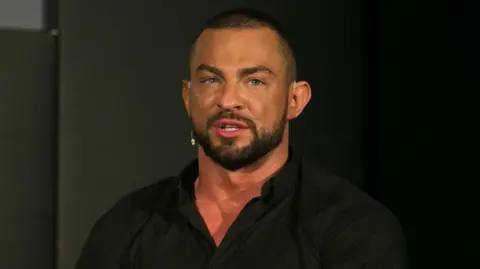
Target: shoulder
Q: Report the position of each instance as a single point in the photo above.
(114, 230)
(327, 191)
(333, 204)
(137, 202)
(347, 224)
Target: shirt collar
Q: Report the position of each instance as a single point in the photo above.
(273, 191)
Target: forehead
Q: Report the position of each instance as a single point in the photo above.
(237, 48)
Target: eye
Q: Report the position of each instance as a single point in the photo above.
(255, 82)
(209, 80)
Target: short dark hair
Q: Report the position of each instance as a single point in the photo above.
(244, 18)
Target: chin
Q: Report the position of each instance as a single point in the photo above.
(235, 144)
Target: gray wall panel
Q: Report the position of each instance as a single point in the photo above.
(22, 14)
(27, 156)
(123, 124)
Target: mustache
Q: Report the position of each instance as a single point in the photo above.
(230, 116)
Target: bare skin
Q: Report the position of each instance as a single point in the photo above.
(243, 71)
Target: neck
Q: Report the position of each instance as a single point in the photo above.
(217, 184)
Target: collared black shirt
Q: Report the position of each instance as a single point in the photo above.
(304, 218)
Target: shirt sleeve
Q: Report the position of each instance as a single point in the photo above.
(372, 239)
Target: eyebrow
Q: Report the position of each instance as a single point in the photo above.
(255, 69)
(243, 72)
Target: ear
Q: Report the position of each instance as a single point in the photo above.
(299, 97)
(186, 94)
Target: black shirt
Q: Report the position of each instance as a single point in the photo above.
(304, 218)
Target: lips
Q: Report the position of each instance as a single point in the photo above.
(230, 124)
(230, 128)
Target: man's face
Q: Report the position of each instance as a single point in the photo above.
(238, 96)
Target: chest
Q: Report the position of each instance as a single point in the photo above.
(253, 236)
(218, 219)
(271, 243)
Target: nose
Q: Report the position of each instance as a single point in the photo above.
(230, 99)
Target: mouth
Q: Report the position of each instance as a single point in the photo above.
(230, 128)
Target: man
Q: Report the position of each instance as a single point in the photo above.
(249, 200)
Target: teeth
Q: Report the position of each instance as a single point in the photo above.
(229, 129)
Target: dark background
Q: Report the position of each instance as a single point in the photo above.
(96, 112)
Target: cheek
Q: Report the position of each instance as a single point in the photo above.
(203, 99)
(266, 110)
(200, 107)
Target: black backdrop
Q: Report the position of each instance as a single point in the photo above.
(116, 122)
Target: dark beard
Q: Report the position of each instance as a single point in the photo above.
(231, 158)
